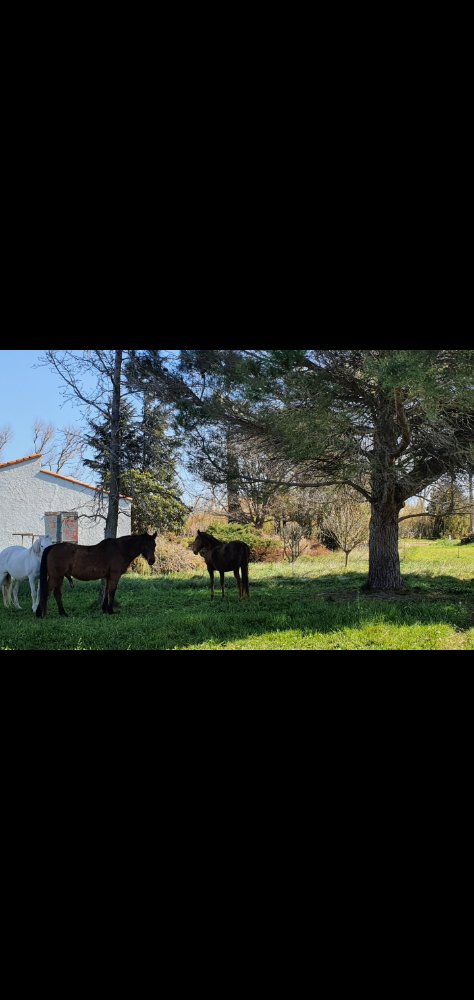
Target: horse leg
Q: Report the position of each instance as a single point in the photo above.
(6, 585)
(33, 588)
(57, 593)
(105, 595)
(222, 583)
(16, 587)
(245, 578)
(211, 574)
(239, 581)
(112, 587)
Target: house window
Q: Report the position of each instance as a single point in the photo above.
(62, 526)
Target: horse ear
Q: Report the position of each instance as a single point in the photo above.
(154, 534)
(199, 532)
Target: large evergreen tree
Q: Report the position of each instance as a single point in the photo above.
(387, 423)
(98, 440)
(147, 461)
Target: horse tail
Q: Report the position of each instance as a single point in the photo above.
(7, 590)
(41, 609)
(245, 568)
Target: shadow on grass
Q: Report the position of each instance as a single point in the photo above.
(323, 604)
(164, 613)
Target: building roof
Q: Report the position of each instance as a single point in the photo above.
(58, 475)
(69, 479)
(15, 461)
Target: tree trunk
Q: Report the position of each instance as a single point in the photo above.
(234, 510)
(114, 462)
(471, 503)
(387, 502)
(384, 561)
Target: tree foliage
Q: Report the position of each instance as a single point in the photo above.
(387, 423)
(154, 508)
(450, 509)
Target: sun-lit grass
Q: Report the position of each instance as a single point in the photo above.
(316, 604)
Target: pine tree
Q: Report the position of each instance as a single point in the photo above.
(98, 440)
(387, 423)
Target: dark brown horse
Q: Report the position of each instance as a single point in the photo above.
(107, 560)
(224, 557)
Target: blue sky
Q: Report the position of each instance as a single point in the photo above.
(28, 393)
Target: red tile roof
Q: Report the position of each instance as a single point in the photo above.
(17, 460)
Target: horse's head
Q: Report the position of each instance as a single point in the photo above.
(41, 544)
(148, 549)
(198, 543)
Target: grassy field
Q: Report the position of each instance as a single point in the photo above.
(318, 605)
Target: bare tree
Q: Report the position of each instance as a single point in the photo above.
(6, 435)
(58, 448)
(293, 541)
(69, 448)
(43, 435)
(347, 521)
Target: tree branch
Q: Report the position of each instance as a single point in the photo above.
(439, 513)
(403, 425)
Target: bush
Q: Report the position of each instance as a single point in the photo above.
(171, 557)
(266, 550)
(468, 539)
(200, 520)
(261, 549)
(316, 549)
(140, 566)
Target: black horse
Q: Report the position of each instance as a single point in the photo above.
(224, 557)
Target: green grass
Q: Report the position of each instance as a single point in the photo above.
(319, 605)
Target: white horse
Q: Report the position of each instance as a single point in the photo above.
(18, 563)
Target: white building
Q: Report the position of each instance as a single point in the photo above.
(35, 501)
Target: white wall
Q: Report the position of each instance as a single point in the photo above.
(26, 494)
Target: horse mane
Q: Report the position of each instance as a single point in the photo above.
(209, 539)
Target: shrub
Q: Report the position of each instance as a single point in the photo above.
(200, 520)
(468, 539)
(261, 549)
(316, 549)
(266, 550)
(140, 566)
(234, 532)
(171, 557)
